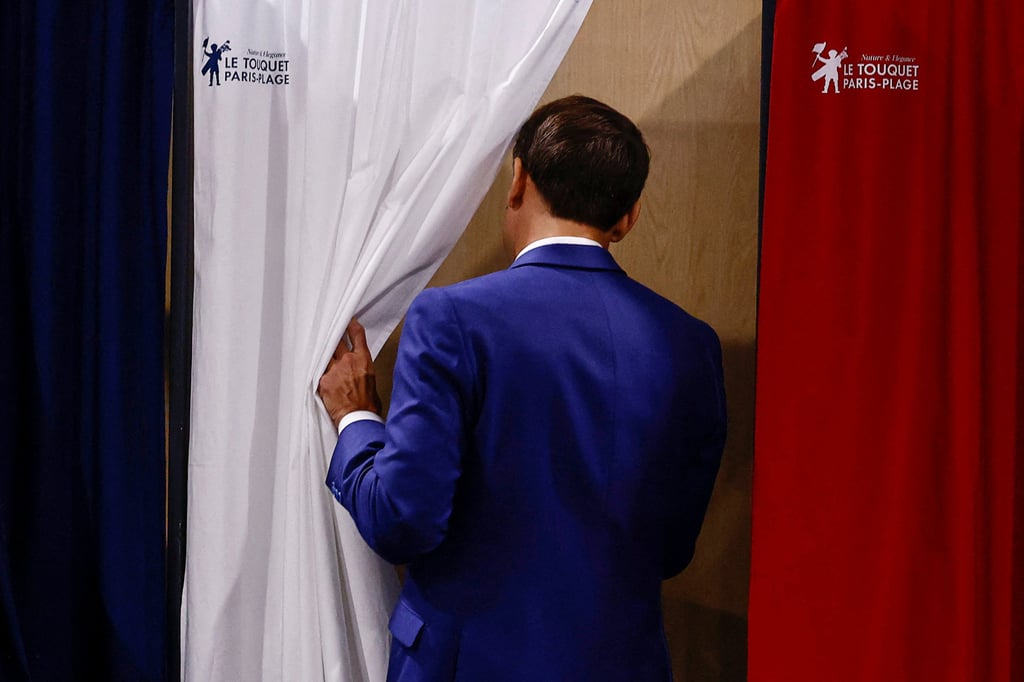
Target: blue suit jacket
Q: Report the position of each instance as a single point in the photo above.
(554, 434)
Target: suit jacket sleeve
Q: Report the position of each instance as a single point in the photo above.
(398, 480)
(701, 461)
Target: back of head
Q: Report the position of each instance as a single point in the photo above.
(588, 161)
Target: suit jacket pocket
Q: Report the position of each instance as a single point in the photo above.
(424, 644)
(405, 625)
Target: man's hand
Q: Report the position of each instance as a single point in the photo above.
(349, 383)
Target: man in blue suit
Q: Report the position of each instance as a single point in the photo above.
(554, 434)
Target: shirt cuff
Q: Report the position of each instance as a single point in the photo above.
(358, 415)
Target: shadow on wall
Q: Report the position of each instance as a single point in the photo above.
(696, 244)
(696, 636)
(716, 163)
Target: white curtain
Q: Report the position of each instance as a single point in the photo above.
(341, 148)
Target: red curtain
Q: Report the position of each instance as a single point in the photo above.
(889, 475)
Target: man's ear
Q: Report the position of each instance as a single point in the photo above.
(625, 224)
(518, 188)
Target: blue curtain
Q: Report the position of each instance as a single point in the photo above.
(84, 136)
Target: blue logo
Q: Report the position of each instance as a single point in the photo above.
(213, 55)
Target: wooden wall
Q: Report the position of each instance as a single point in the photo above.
(688, 73)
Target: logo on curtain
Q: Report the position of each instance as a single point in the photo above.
(892, 71)
(255, 67)
(830, 67)
(213, 57)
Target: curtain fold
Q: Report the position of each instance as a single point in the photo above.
(887, 524)
(341, 148)
(85, 134)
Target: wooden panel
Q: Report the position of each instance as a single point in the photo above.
(688, 73)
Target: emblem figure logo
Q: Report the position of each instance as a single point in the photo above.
(212, 65)
(830, 67)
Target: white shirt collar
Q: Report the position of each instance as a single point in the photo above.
(575, 241)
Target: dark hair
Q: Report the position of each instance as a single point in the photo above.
(588, 161)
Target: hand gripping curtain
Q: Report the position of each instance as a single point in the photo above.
(341, 148)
